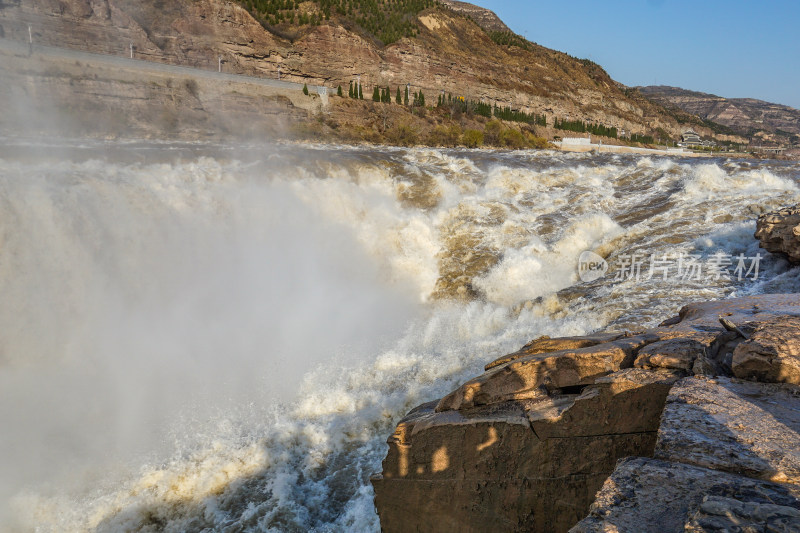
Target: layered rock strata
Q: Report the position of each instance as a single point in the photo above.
(526, 445)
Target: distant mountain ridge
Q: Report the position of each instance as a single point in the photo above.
(755, 119)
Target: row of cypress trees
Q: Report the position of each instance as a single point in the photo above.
(582, 127)
(356, 91)
(466, 105)
(383, 95)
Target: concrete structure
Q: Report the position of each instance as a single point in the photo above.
(576, 141)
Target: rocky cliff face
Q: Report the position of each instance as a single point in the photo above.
(450, 53)
(526, 445)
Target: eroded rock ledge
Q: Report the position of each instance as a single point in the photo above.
(527, 445)
(779, 232)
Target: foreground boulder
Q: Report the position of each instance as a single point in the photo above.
(779, 232)
(527, 445)
(529, 465)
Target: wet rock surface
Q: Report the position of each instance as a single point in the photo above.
(526, 445)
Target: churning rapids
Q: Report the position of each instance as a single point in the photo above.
(207, 338)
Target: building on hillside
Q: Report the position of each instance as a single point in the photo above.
(691, 138)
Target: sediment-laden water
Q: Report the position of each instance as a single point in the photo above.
(214, 337)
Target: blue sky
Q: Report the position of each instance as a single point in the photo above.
(734, 49)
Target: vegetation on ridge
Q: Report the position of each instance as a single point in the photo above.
(509, 38)
(385, 20)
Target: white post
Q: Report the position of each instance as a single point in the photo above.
(131, 50)
(219, 64)
(30, 35)
(279, 72)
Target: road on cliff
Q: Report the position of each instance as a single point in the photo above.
(18, 48)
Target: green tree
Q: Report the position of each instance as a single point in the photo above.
(376, 96)
(398, 99)
(405, 99)
(305, 89)
(360, 92)
(339, 91)
(350, 92)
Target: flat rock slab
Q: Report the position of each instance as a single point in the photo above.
(652, 496)
(746, 428)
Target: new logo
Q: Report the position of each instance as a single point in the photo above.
(591, 266)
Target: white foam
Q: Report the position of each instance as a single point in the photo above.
(536, 270)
